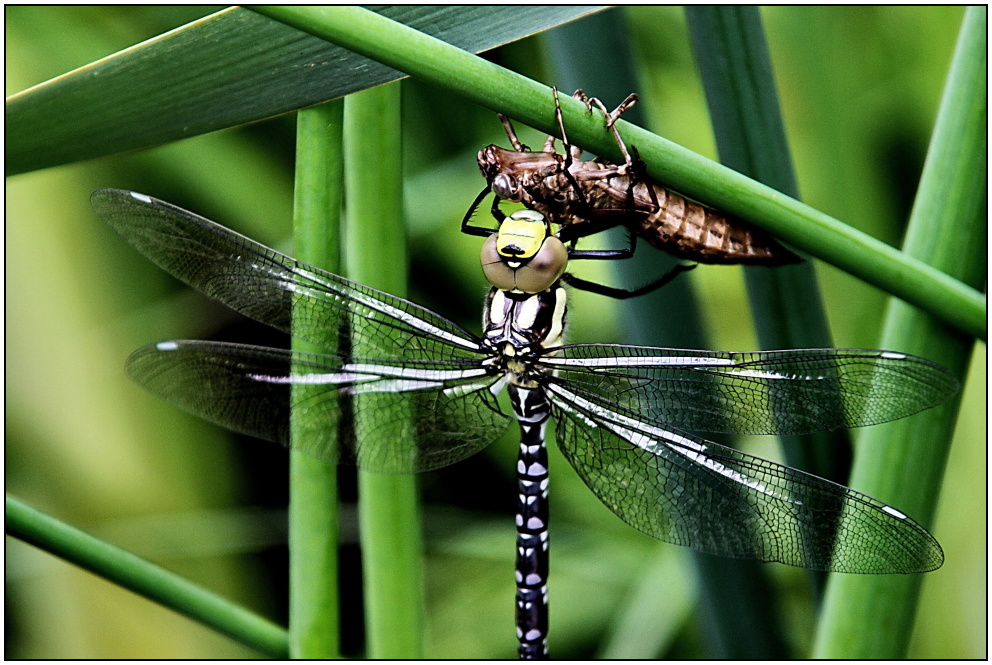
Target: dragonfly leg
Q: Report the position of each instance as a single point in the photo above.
(591, 226)
(496, 212)
(622, 294)
(611, 119)
(570, 155)
(511, 134)
(468, 228)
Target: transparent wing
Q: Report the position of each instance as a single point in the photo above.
(277, 290)
(401, 371)
(431, 414)
(771, 392)
(688, 491)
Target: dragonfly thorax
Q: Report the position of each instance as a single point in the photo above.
(520, 328)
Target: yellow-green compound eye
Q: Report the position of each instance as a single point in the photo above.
(522, 256)
(534, 276)
(521, 234)
(544, 269)
(496, 271)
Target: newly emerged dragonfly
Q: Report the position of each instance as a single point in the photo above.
(586, 197)
(623, 414)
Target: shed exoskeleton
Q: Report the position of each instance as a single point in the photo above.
(585, 197)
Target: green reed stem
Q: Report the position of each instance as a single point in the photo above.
(143, 578)
(313, 506)
(389, 519)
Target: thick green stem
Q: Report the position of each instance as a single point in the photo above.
(389, 519)
(903, 462)
(313, 533)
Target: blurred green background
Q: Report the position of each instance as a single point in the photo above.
(859, 90)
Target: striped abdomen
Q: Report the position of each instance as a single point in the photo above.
(532, 410)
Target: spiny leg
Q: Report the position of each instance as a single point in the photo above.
(620, 293)
(468, 228)
(633, 166)
(571, 152)
(611, 119)
(569, 156)
(511, 134)
(549, 144)
(574, 151)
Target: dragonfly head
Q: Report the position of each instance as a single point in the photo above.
(524, 256)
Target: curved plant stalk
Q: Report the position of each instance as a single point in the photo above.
(144, 578)
(516, 96)
(230, 68)
(433, 60)
(313, 506)
(903, 462)
(389, 520)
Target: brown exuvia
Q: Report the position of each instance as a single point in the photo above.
(594, 195)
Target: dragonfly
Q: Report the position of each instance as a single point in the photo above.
(586, 197)
(625, 417)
